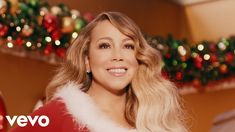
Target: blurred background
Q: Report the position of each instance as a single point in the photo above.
(195, 38)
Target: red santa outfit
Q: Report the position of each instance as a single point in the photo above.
(72, 110)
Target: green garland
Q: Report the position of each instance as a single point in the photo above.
(36, 26)
(199, 64)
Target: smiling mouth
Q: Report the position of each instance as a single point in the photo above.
(117, 72)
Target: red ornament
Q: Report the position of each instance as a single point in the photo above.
(56, 35)
(229, 58)
(165, 74)
(168, 55)
(3, 121)
(50, 22)
(198, 62)
(60, 52)
(48, 49)
(88, 17)
(223, 69)
(67, 25)
(213, 58)
(196, 83)
(212, 47)
(19, 41)
(179, 76)
(3, 30)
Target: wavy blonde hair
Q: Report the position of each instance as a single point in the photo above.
(152, 103)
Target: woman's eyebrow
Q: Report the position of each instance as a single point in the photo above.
(104, 38)
(126, 39)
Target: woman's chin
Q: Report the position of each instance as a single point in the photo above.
(118, 90)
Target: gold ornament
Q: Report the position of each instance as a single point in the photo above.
(75, 13)
(27, 30)
(184, 52)
(67, 25)
(3, 6)
(43, 11)
(14, 6)
(39, 19)
(55, 10)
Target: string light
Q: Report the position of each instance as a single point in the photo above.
(48, 39)
(160, 46)
(22, 20)
(57, 42)
(74, 35)
(200, 47)
(43, 11)
(10, 45)
(9, 38)
(26, 26)
(12, 24)
(182, 50)
(75, 13)
(206, 57)
(28, 44)
(39, 45)
(18, 28)
(222, 46)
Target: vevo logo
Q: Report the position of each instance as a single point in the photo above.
(22, 120)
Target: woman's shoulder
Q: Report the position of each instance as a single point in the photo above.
(52, 108)
(59, 119)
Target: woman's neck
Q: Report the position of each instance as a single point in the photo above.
(113, 105)
(107, 100)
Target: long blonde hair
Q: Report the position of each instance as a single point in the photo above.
(152, 103)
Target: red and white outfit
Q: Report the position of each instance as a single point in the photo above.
(72, 110)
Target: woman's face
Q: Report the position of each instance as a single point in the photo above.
(111, 58)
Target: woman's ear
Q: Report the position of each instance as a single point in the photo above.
(88, 69)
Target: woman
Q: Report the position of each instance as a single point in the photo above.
(111, 82)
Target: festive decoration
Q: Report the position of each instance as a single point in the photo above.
(32, 26)
(3, 121)
(67, 25)
(15, 6)
(3, 7)
(197, 65)
(3, 30)
(35, 26)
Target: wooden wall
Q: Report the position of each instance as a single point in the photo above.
(209, 21)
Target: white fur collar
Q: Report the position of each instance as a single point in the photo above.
(83, 109)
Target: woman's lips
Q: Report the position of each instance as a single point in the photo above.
(117, 71)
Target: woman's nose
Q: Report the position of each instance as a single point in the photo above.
(117, 55)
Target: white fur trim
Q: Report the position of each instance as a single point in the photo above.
(84, 110)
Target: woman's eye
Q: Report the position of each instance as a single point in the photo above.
(130, 46)
(104, 46)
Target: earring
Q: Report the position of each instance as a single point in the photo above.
(88, 71)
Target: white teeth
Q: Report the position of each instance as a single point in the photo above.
(117, 70)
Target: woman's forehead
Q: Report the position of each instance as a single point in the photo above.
(106, 29)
